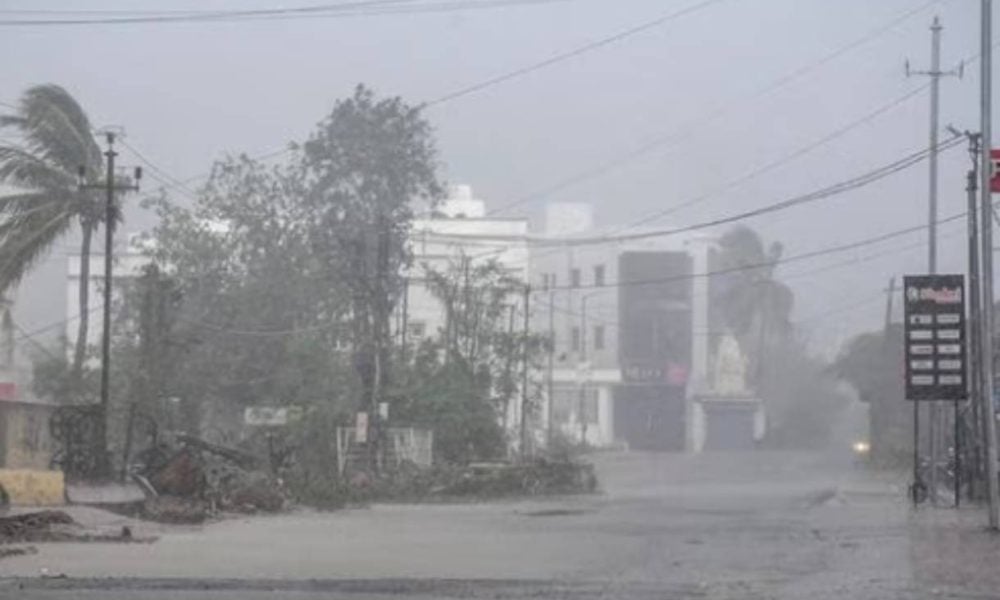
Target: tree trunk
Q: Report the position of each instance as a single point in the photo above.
(80, 353)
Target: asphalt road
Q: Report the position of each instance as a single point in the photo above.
(764, 525)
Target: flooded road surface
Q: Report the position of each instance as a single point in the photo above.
(765, 525)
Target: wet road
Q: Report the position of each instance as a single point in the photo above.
(767, 525)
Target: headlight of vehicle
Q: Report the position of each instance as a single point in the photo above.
(861, 447)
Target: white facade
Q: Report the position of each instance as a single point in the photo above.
(128, 262)
(578, 299)
(478, 238)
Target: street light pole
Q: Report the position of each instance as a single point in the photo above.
(583, 363)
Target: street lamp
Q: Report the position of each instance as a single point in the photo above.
(583, 369)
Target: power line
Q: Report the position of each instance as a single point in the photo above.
(160, 174)
(771, 166)
(27, 335)
(529, 68)
(612, 39)
(827, 192)
(679, 133)
(590, 173)
(783, 279)
(338, 10)
(36, 343)
(262, 332)
(775, 164)
(793, 258)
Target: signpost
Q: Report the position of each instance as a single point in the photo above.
(934, 308)
(935, 353)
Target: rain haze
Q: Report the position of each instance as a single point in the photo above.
(189, 93)
(617, 310)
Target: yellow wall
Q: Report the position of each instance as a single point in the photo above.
(33, 487)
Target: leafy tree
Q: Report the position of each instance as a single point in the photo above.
(259, 322)
(365, 167)
(46, 202)
(464, 380)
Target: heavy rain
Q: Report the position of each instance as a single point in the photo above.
(376, 299)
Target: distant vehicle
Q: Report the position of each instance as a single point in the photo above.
(862, 451)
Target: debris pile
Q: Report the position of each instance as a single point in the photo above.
(201, 478)
(535, 477)
(45, 525)
(52, 526)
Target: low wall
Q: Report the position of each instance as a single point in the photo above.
(33, 487)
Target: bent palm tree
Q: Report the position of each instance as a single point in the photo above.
(45, 201)
(755, 305)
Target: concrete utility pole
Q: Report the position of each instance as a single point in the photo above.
(970, 434)
(977, 435)
(972, 421)
(935, 73)
(110, 187)
(986, 255)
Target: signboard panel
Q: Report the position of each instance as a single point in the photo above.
(265, 416)
(934, 330)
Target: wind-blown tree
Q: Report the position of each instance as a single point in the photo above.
(465, 380)
(755, 306)
(366, 166)
(53, 141)
(259, 321)
(800, 395)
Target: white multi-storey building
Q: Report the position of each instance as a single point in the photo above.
(461, 230)
(631, 329)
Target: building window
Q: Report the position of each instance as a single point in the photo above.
(599, 275)
(574, 278)
(599, 337)
(575, 339)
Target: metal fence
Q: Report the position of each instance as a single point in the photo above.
(400, 445)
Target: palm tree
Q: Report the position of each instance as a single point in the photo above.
(45, 202)
(755, 306)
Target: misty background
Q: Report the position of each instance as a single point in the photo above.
(190, 93)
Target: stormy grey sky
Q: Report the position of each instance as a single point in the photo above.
(188, 93)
